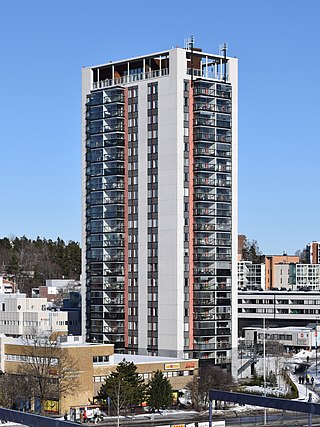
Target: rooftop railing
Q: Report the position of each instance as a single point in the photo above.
(130, 78)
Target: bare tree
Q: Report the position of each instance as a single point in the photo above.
(209, 377)
(14, 391)
(50, 369)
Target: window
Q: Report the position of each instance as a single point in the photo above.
(100, 359)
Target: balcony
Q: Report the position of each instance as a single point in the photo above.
(118, 185)
(203, 106)
(204, 182)
(223, 138)
(114, 272)
(118, 127)
(223, 124)
(114, 171)
(113, 287)
(204, 212)
(205, 166)
(223, 198)
(113, 98)
(204, 152)
(204, 302)
(223, 94)
(204, 136)
(113, 200)
(115, 113)
(206, 241)
(118, 155)
(223, 183)
(204, 257)
(206, 197)
(204, 227)
(129, 79)
(114, 243)
(204, 272)
(207, 75)
(223, 242)
(203, 91)
(223, 168)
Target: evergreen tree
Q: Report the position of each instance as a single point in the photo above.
(123, 387)
(159, 392)
(251, 252)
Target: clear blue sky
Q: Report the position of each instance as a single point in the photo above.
(44, 44)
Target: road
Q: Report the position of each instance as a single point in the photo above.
(287, 419)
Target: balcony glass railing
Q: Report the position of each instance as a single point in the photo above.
(203, 91)
(114, 98)
(203, 106)
(114, 171)
(207, 75)
(205, 166)
(204, 227)
(211, 241)
(129, 79)
(204, 181)
(204, 152)
(223, 138)
(223, 124)
(204, 136)
(223, 183)
(204, 197)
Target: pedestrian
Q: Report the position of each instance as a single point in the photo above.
(84, 416)
(312, 381)
(65, 416)
(299, 379)
(308, 378)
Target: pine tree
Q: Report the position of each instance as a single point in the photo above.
(159, 392)
(123, 387)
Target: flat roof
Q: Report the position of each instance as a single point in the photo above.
(285, 328)
(137, 358)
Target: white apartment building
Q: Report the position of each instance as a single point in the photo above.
(25, 317)
(279, 308)
(307, 276)
(160, 177)
(251, 276)
(6, 286)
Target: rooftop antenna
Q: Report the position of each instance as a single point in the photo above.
(189, 45)
(223, 50)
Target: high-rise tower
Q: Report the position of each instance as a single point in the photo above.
(160, 137)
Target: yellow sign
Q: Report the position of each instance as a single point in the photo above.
(172, 366)
(51, 406)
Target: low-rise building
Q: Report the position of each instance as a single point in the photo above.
(6, 286)
(279, 308)
(251, 276)
(26, 317)
(94, 363)
(274, 272)
(292, 338)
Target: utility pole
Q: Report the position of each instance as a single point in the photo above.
(264, 368)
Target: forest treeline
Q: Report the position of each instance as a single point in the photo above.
(30, 262)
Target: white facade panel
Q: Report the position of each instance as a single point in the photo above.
(171, 268)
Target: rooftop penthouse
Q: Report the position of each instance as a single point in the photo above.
(199, 64)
